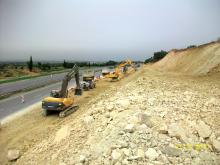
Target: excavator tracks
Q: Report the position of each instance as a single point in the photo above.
(68, 111)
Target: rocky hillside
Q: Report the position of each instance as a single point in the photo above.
(194, 61)
(155, 119)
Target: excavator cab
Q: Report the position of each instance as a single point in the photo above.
(55, 93)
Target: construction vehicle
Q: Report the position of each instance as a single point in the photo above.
(88, 80)
(59, 100)
(122, 68)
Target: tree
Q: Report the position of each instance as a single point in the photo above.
(159, 55)
(30, 64)
(191, 46)
(148, 60)
(64, 64)
(156, 57)
(110, 63)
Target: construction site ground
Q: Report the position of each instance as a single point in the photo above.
(137, 120)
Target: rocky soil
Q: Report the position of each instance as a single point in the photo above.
(155, 118)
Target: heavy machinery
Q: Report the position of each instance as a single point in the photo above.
(60, 100)
(88, 80)
(122, 68)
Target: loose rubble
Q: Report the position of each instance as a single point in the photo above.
(150, 120)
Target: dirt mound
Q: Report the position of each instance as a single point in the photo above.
(193, 61)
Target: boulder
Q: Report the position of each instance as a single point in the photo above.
(174, 130)
(116, 155)
(126, 152)
(216, 145)
(140, 153)
(82, 158)
(123, 103)
(107, 115)
(143, 118)
(171, 151)
(13, 154)
(88, 120)
(152, 154)
(163, 129)
(130, 128)
(110, 107)
(203, 129)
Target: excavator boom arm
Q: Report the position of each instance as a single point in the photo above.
(73, 73)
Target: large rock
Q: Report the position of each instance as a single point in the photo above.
(203, 130)
(126, 151)
(130, 128)
(143, 118)
(151, 153)
(116, 155)
(123, 103)
(216, 145)
(88, 120)
(174, 130)
(13, 154)
(110, 107)
(82, 158)
(171, 151)
(163, 129)
(212, 101)
(140, 153)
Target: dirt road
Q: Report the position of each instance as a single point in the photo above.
(120, 122)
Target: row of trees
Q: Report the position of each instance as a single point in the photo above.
(48, 66)
(89, 64)
(44, 66)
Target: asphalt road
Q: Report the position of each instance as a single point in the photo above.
(32, 83)
(13, 103)
(29, 83)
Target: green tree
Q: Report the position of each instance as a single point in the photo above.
(159, 55)
(191, 46)
(30, 64)
(64, 64)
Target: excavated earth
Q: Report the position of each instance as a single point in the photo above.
(162, 114)
(149, 117)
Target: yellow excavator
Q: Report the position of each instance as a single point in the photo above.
(121, 69)
(60, 100)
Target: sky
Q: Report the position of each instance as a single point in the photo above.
(101, 30)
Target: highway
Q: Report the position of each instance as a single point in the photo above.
(13, 104)
(29, 83)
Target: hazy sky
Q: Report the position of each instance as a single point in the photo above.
(103, 29)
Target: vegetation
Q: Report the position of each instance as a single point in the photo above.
(30, 64)
(14, 71)
(157, 56)
(89, 64)
(191, 46)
